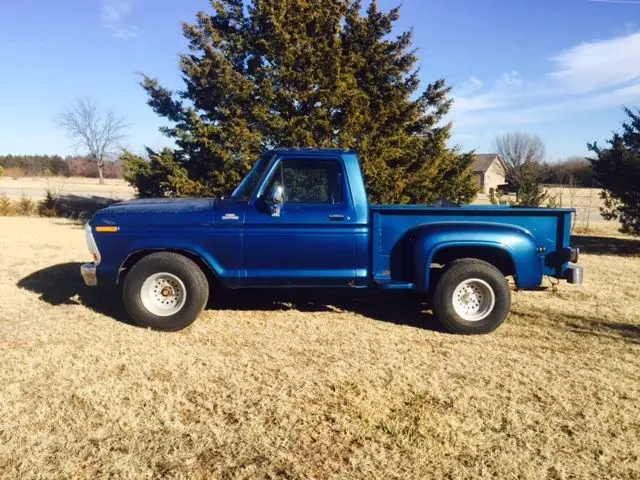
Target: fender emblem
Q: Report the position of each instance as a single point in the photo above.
(230, 216)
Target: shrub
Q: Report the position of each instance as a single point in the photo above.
(6, 206)
(529, 195)
(25, 206)
(496, 197)
(49, 207)
(1, 171)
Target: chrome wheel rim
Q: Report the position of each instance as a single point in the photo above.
(163, 294)
(473, 299)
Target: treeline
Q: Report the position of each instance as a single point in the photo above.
(55, 165)
(573, 171)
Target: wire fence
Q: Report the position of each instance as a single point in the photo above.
(586, 202)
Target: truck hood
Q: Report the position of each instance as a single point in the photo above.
(158, 211)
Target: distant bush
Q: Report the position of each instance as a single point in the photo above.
(530, 195)
(7, 207)
(1, 171)
(55, 204)
(49, 207)
(25, 206)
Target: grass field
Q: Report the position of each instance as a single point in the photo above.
(314, 386)
(36, 187)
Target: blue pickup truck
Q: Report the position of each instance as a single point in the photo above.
(301, 219)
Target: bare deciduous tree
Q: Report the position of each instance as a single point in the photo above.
(97, 132)
(520, 151)
(523, 156)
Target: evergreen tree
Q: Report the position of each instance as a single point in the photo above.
(617, 170)
(284, 73)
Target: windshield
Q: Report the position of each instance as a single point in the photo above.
(249, 183)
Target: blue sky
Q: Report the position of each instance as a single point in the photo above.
(561, 69)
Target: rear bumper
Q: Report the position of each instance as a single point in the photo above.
(88, 272)
(574, 255)
(574, 274)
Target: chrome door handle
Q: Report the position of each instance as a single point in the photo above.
(336, 217)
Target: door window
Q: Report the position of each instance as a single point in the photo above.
(309, 181)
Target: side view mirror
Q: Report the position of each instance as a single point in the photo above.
(277, 194)
(276, 199)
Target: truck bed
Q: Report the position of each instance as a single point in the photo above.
(391, 227)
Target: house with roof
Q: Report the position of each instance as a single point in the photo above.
(489, 171)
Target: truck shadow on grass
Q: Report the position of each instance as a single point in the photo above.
(586, 325)
(606, 245)
(400, 308)
(583, 325)
(62, 285)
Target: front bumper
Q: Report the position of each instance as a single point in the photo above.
(88, 271)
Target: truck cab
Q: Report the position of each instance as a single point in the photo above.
(301, 219)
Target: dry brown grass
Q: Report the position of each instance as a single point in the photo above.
(36, 187)
(313, 387)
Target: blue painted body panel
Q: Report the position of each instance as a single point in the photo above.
(419, 232)
(378, 246)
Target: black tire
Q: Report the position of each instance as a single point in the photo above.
(456, 273)
(190, 274)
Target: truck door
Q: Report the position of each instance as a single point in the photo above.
(308, 240)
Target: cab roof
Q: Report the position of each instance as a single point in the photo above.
(310, 151)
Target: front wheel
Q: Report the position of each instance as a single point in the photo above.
(471, 297)
(165, 291)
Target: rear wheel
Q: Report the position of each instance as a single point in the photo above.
(471, 297)
(165, 291)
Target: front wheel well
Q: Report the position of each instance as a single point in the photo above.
(497, 257)
(134, 258)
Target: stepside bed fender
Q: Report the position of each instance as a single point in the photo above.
(481, 240)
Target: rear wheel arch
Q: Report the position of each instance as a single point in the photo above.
(442, 256)
(495, 255)
(511, 249)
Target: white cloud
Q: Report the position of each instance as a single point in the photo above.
(547, 111)
(473, 84)
(114, 18)
(597, 65)
(474, 103)
(588, 77)
(469, 96)
(511, 79)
